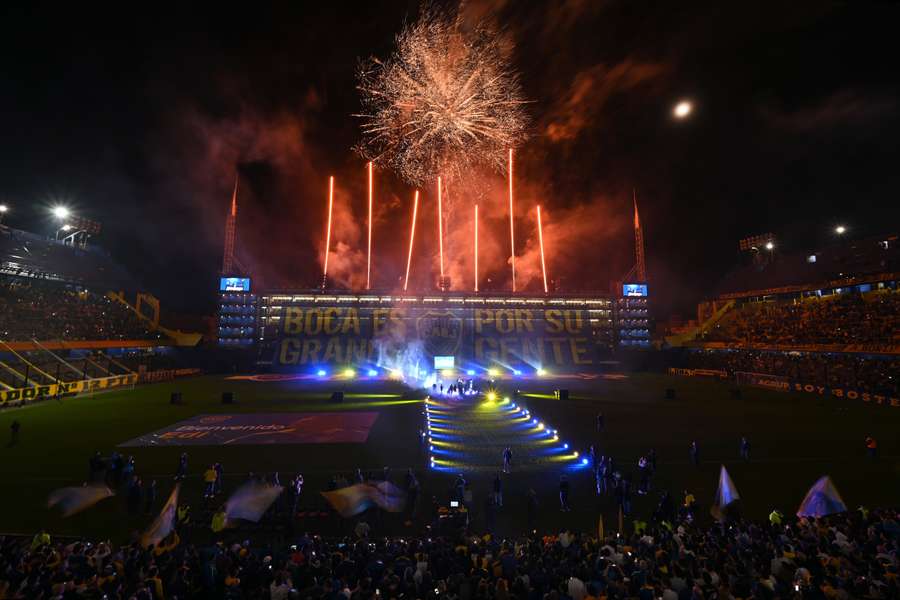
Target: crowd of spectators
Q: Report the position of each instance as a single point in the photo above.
(863, 373)
(45, 310)
(872, 320)
(851, 555)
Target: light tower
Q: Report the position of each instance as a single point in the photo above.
(230, 226)
(640, 268)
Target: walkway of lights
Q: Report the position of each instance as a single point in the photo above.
(470, 434)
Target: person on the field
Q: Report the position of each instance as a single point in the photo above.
(745, 448)
(498, 491)
(217, 487)
(871, 447)
(507, 461)
(135, 492)
(181, 471)
(150, 497)
(695, 453)
(14, 432)
(644, 470)
(412, 493)
(564, 493)
(601, 422)
(209, 479)
(459, 487)
(601, 476)
(623, 495)
(688, 505)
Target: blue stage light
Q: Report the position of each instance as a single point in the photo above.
(470, 372)
(321, 373)
(372, 373)
(517, 372)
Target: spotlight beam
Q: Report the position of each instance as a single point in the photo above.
(328, 228)
(412, 237)
(369, 253)
(541, 239)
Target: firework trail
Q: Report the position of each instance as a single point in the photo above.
(445, 103)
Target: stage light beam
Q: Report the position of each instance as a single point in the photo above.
(412, 236)
(369, 253)
(328, 229)
(541, 240)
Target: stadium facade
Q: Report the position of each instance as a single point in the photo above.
(313, 330)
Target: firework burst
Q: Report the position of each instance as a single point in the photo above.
(445, 102)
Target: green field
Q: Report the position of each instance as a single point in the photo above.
(795, 439)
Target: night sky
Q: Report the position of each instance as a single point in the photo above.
(139, 117)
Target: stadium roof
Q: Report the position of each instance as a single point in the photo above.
(856, 259)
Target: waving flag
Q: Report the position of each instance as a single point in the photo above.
(821, 500)
(725, 495)
(75, 499)
(354, 499)
(251, 501)
(163, 525)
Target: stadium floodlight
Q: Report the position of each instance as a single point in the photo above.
(840, 230)
(3, 208)
(770, 246)
(61, 212)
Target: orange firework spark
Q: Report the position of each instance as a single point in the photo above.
(328, 228)
(541, 239)
(412, 236)
(512, 235)
(440, 229)
(476, 247)
(447, 100)
(369, 255)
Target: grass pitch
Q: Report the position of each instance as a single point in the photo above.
(795, 438)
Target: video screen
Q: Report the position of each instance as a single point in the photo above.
(234, 284)
(444, 362)
(634, 289)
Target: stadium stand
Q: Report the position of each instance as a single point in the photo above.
(851, 555)
(35, 309)
(871, 319)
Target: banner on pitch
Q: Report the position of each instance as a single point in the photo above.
(66, 388)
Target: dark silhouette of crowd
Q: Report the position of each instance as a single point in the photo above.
(872, 319)
(879, 374)
(851, 555)
(46, 310)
